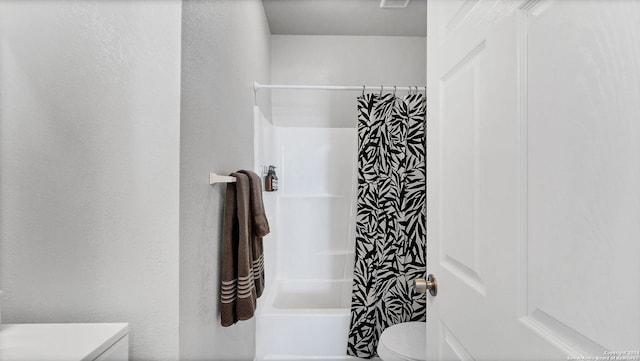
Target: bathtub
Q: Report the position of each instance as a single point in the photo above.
(304, 320)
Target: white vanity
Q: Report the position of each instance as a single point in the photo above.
(64, 341)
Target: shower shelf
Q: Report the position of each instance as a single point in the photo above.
(311, 195)
(338, 252)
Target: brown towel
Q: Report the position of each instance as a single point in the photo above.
(260, 222)
(237, 294)
(242, 267)
(260, 228)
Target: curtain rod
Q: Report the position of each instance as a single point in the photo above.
(258, 86)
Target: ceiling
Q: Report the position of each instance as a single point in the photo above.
(345, 17)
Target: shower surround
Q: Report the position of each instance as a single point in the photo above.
(309, 255)
(304, 312)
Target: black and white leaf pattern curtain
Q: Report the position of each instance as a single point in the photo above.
(391, 219)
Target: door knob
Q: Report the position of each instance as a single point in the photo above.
(421, 285)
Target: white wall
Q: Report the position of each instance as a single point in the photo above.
(338, 60)
(225, 48)
(89, 152)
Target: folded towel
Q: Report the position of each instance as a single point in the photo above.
(242, 260)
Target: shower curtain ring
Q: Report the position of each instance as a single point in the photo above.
(363, 90)
(381, 87)
(394, 91)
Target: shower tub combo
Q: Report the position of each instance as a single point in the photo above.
(304, 313)
(305, 320)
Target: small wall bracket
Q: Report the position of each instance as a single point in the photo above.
(216, 178)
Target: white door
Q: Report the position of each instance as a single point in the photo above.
(534, 179)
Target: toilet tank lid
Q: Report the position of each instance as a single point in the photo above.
(59, 341)
(406, 339)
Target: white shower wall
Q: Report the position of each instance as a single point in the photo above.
(316, 214)
(304, 312)
(312, 213)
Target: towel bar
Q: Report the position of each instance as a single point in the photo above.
(216, 178)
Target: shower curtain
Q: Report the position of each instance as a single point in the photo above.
(391, 219)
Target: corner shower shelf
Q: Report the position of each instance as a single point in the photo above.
(339, 252)
(311, 195)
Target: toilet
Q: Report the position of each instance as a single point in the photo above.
(403, 342)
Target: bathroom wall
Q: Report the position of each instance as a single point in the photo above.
(338, 60)
(225, 48)
(89, 162)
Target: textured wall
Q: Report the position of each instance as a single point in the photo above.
(225, 47)
(339, 60)
(89, 162)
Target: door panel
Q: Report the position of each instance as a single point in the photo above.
(450, 346)
(534, 161)
(582, 171)
(458, 92)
